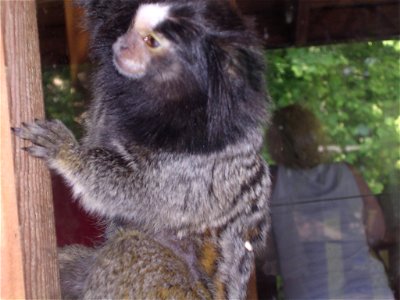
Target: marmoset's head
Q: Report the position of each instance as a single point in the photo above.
(180, 75)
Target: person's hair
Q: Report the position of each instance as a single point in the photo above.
(295, 138)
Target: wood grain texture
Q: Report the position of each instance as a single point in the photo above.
(35, 206)
(12, 276)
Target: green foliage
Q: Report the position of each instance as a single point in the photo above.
(63, 101)
(354, 89)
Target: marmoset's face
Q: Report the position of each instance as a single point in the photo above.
(142, 45)
(182, 75)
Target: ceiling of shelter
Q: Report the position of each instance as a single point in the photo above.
(308, 22)
(281, 23)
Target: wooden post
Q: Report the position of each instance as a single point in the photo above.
(77, 38)
(12, 277)
(33, 186)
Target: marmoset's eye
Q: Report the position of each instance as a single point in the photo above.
(151, 41)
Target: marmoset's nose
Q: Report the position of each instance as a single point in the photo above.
(127, 42)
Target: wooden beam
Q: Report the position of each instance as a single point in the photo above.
(12, 276)
(303, 19)
(77, 38)
(328, 21)
(35, 206)
(344, 3)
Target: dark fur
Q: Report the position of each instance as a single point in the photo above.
(218, 98)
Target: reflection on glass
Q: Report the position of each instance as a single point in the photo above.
(317, 216)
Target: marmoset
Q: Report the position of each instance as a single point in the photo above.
(129, 265)
(171, 149)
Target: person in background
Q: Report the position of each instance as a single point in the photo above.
(325, 219)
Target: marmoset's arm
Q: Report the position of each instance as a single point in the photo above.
(183, 192)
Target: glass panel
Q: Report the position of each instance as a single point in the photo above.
(333, 144)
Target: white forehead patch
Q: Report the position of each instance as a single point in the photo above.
(149, 16)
